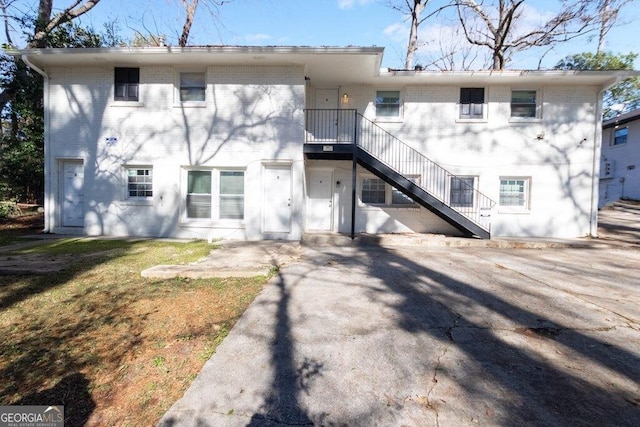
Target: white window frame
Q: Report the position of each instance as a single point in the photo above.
(526, 206)
(538, 107)
(137, 200)
(215, 198)
(389, 191)
(395, 118)
(178, 102)
(485, 106)
(474, 187)
(613, 136)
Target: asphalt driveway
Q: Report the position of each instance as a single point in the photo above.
(442, 336)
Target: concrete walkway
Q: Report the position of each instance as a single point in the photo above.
(432, 335)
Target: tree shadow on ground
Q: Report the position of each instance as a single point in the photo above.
(72, 391)
(517, 383)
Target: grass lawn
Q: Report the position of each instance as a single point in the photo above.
(113, 347)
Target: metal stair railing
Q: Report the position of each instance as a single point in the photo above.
(425, 173)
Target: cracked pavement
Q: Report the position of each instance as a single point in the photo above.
(431, 336)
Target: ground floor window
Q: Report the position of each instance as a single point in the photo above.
(376, 192)
(373, 191)
(215, 194)
(514, 192)
(139, 182)
(462, 189)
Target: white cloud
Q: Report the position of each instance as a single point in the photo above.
(348, 4)
(397, 32)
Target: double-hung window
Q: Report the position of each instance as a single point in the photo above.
(192, 86)
(126, 81)
(388, 104)
(199, 194)
(514, 192)
(462, 192)
(471, 103)
(231, 195)
(524, 104)
(376, 192)
(620, 136)
(139, 183)
(373, 191)
(215, 195)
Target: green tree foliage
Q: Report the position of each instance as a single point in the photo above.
(625, 94)
(22, 120)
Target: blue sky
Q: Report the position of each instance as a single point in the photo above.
(327, 23)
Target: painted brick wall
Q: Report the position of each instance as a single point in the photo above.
(251, 115)
(555, 152)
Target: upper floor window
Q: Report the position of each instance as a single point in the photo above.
(139, 182)
(388, 103)
(126, 81)
(524, 103)
(471, 102)
(192, 86)
(620, 136)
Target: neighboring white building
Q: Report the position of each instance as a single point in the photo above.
(620, 166)
(272, 142)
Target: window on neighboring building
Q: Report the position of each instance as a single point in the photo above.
(388, 103)
(620, 136)
(471, 102)
(139, 182)
(373, 191)
(126, 81)
(192, 86)
(514, 192)
(199, 194)
(231, 195)
(524, 103)
(462, 192)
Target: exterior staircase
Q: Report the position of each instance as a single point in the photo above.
(347, 135)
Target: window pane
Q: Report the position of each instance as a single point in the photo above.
(192, 86)
(620, 136)
(388, 103)
(139, 182)
(231, 182)
(231, 207)
(513, 192)
(199, 182)
(126, 82)
(198, 205)
(462, 192)
(472, 95)
(231, 195)
(523, 103)
(399, 198)
(373, 191)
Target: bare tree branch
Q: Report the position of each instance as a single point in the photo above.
(45, 24)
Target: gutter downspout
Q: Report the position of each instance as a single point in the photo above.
(48, 202)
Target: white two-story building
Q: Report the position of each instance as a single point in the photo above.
(272, 142)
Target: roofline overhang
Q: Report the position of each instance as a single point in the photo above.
(308, 56)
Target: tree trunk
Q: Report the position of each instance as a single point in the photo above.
(191, 12)
(412, 47)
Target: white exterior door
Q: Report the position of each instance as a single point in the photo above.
(276, 213)
(326, 128)
(320, 201)
(72, 194)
